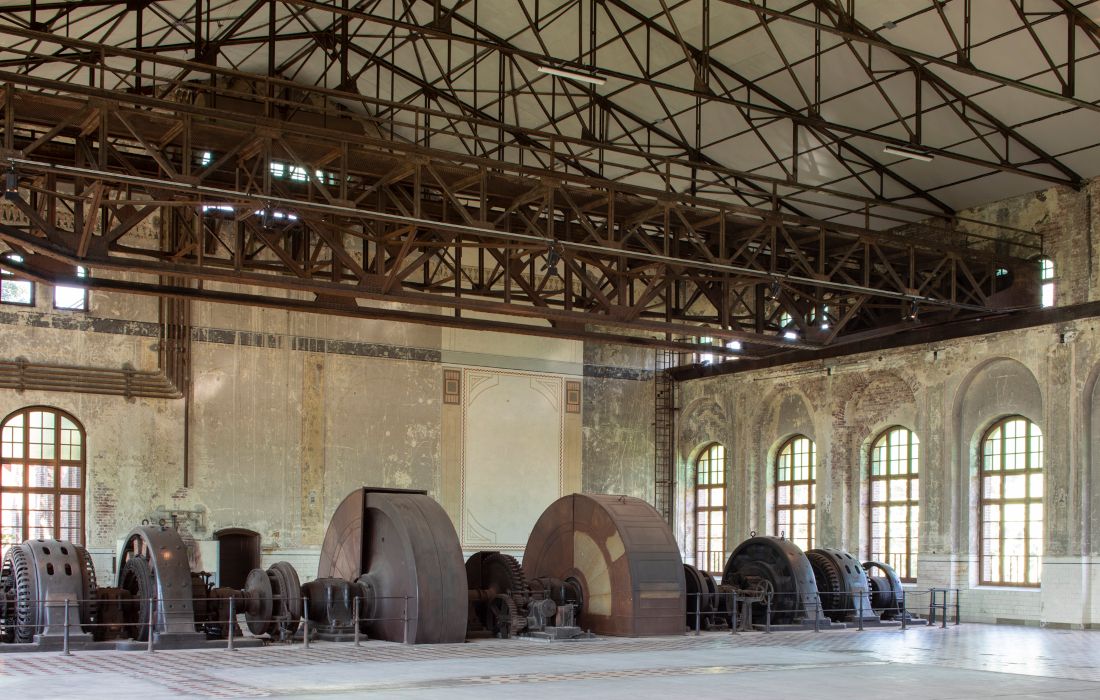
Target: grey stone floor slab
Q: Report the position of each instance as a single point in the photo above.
(970, 661)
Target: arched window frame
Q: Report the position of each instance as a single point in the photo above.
(894, 500)
(31, 453)
(795, 472)
(998, 464)
(710, 508)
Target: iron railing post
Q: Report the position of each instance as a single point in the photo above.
(152, 620)
(355, 618)
(698, 613)
(405, 620)
(733, 614)
(232, 622)
(305, 623)
(65, 633)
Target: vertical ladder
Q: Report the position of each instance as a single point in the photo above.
(664, 396)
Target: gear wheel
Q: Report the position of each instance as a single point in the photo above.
(89, 613)
(517, 582)
(504, 617)
(498, 576)
(16, 575)
(830, 587)
(137, 579)
(3, 613)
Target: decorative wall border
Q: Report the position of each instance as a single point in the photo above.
(466, 386)
(273, 341)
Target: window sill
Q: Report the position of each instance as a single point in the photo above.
(1009, 589)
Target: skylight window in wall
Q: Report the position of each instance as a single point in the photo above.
(71, 298)
(14, 290)
(1046, 282)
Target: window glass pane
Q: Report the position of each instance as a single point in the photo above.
(11, 475)
(15, 291)
(40, 476)
(703, 498)
(70, 477)
(878, 490)
(899, 489)
(991, 487)
(717, 497)
(12, 441)
(801, 494)
(70, 298)
(1036, 485)
(1015, 486)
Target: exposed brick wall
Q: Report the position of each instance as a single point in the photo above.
(927, 389)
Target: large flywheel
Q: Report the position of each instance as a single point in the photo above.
(402, 546)
(154, 567)
(621, 555)
(777, 573)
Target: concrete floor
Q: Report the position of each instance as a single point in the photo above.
(970, 661)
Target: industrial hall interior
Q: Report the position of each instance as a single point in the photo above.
(531, 348)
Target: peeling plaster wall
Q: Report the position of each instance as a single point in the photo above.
(948, 393)
(291, 411)
(618, 410)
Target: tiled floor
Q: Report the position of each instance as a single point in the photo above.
(970, 661)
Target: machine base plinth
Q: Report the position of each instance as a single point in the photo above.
(184, 642)
(822, 625)
(559, 634)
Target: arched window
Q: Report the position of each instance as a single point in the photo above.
(1011, 510)
(1046, 282)
(894, 507)
(795, 476)
(710, 509)
(42, 477)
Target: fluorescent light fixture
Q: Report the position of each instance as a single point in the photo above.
(572, 75)
(907, 153)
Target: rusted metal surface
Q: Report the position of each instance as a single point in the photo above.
(154, 565)
(394, 222)
(498, 594)
(775, 570)
(887, 593)
(842, 585)
(38, 578)
(404, 547)
(624, 557)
